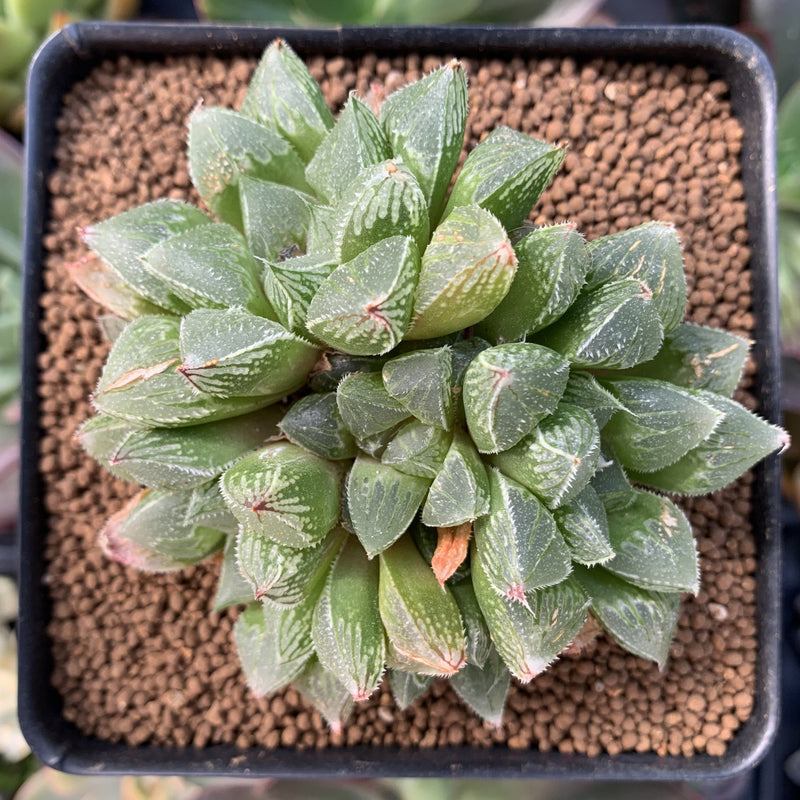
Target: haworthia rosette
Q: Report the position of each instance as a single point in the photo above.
(364, 306)
(530, 637)
(209, 267)
(420, 380)
(425, 633)
(553, 262)
(425, 123)
(383, 200)
(466, 271)
(233, 353)
(314, 422)
(698, 357)
(223, 145)
(520, 546)
(283, 96)
(557, 459)
(660, 424)
(122, 240)
(141, 383)
(584, 525)
(347, 629)
(149, 534)
(325, 692)
(382, 502)
(739, 440)
(615, 326)
(508, 389)
(460, 490)
(651, 254)
(641, 621)
(653, 544)
(284, 493)
(356, 141)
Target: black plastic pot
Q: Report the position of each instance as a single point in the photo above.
(78, 49)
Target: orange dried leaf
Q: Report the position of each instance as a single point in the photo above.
(451, 550)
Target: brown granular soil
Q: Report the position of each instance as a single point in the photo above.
(139, 658)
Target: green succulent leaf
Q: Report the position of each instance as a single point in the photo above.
(484, 688)
(290, 286)
(275, 218)
(651, 254)
(466, 271)
(333, 367)
(314, 422)
(122, 241)
(408, 686)
(518, 541)
(348, 633)
(425, 633)
(641, 621)
(506, 174)
(366, 407)
(209, 267)
(356, 141)
(321, 234)
(584, 525)
(279, 574)
(364, 306)
(661, 423)
(141, 383)
(460, 490)
(553, 262)
(326, 693)
(508, 389)
(223, 145)
(529, 637)
(417, 449)
(611, 485)
(479, 640)
(739, 440)
(231, 353)
(425, 122)
(284, 493)
(107, 287)
(557, 459)
(382, 502)
(274, 644)
(166, 458)
(654, 546)
(614, 326)
(207, 508)
(698, 357)
(420, 380)
(150, 535)
(383, 200)
(584, 390)
(463, 352)
(232, 588)
(283, 96)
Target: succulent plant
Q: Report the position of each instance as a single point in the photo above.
(423, 435)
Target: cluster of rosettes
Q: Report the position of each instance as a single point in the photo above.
(411, 422)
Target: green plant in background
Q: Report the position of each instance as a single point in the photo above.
(24, 24)
(424, 434)
(10, 321)
(373, 12)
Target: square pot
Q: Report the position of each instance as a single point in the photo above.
(72, 55)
